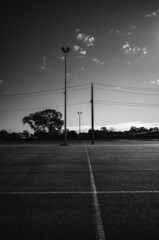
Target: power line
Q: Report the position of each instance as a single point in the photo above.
(72, 104)
(29, 109)
(42, 92)
(80, 85)
(32, 109)
(126, 104)
(121, 91)
(72, 90)
(128, 87)
(31, 95)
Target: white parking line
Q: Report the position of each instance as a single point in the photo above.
(79, 192)
(97, 213)
(19, 170)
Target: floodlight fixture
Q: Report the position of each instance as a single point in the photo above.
(79, 113)
(65, 50)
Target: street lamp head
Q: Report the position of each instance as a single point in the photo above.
(65, 50)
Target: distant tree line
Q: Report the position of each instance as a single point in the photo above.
(47, 125)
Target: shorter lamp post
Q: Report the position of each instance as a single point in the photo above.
(79, 113)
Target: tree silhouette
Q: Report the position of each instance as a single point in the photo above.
(46, 122)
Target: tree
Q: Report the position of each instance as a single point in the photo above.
(26, 133)
(47, 122)
(142, 129)
(4, 134)
(104, 129)
(133, 129)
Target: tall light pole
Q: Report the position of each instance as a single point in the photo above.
(92, 110)
(65, 50)
(79, 113)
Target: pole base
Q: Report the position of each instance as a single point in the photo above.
(64, 144)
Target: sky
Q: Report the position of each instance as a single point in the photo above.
(113, 44)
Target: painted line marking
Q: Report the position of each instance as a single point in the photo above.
(41, 170)
(79, 192)
(97, 213)
(74, 170)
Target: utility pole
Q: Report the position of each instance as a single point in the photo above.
(92, 112)
(79, 113)
(65, 50)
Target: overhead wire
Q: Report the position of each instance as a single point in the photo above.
(46, 107)
(128, 87)
(121, 91)
(82, 87)
(126, 103)
(43, 92)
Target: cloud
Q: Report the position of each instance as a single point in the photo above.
(97, 61)
(154, 82)
(151, 83)
(80, 51)
(112, 31)
(129, 33)
(80, 37)
(118, 127)
(152, 14)
(61, 58)
(76, 48)
(46, 63)
(131, 50)
(144, 52)
(1, 81)
(77, 30)
(85, 39)
(118, 88)
(128, 125)
(126, 45)
(90, 41)
(84, 128)
(133, 27)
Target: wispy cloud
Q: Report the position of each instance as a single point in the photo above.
(61, 58)
(131, 50)
(77, 30)
(1, 81)
(131, 30)
(97, 61)
(126, 45)
(154, 82)
(118, 88)
(117, 32)
(119, 126)
(154, 14)
(113, 31)
(133, 27)
(45, 64)
(76, 48)
(80, 51)
(87, 40)
(126, 126)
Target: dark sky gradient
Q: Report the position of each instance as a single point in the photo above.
(125, 51)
